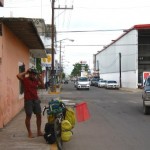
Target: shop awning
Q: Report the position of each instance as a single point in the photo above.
(26, 31)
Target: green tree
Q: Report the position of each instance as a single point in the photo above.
(63, 75)
(77, 69)
(38, 64)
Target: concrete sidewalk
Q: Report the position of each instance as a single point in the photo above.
(14, 135)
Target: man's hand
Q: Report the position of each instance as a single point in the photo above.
(41, 81)
(21, 75)
(28, 70)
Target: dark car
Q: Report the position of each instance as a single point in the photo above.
(66, 82)
(146, 96)
(94, 81)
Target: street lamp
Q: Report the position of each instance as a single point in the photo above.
(61, 46)
(60, 55)
(64, 63)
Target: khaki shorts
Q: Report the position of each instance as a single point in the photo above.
(32, 106)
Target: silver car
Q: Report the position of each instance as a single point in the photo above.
(82, 83)
(102, 83)
(111, 84)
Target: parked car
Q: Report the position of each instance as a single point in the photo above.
(102, 83)
(112, 84)
(66, 82)
(82, 83)
(94, 80)
(146, 96)
(96, 83)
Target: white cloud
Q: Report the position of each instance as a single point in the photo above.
(86, 15)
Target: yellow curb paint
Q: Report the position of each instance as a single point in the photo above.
(53, 147)
(54, 92)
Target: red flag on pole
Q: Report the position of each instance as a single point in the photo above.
(82, 112)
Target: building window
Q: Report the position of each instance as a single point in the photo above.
(21, 69)
(0, 29)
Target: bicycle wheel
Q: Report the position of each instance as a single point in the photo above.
(57, 130)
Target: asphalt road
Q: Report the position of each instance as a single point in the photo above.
(116, 123)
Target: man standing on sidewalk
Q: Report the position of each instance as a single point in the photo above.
(31, 100)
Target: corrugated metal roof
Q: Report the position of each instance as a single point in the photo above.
(25, 30)
(141, 26)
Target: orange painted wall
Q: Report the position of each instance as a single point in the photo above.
(13, 52)
(2, 2)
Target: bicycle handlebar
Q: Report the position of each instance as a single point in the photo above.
(45, 108)
(63, 105)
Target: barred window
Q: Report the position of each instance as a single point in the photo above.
(21, 69)
(0, 29)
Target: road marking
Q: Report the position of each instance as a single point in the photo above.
(65, 100)
(68, 102)
(134, 102)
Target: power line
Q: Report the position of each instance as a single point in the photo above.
(64, 13)
(80, 7)
(84, 31)
(26, 6)
(114, 8)
(109, 45)
(107, 30)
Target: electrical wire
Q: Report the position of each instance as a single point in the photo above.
(63, 16)
(11, 4)
(81, 7)
(107, 30)
(115, 8)
(70, 16)
(111, 45)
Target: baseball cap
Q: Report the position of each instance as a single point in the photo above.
(33, 70)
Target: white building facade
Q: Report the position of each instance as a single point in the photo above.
(126, 58)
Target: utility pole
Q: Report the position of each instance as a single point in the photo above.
(120, 70)
(52, 47)
(52, 44)
(60, 63)
(63, 7)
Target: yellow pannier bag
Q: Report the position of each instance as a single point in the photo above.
(66, 125)
(66, 136)
(70, 116)
(50, 118)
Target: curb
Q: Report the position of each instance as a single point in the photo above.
(131, 90)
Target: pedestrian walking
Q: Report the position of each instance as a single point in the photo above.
(31, 81)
